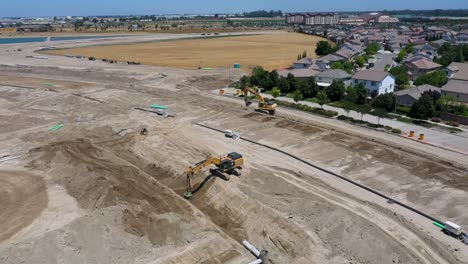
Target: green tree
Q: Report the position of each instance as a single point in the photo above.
(345, 66)
(444, 103)
(348, 106)
(385, 101)
(401, 55)
(322, 98)
(275, 92)
(313, 86)
(459, 56)
(283, 85)
(291, 81)
(465, 51)
(297, 96)
(362, 93)
(304, 54)
(436, 78)
(379, 113)
(372, 48)
(351, 95)
(361, 60)
(274, 78)
(244, 81)
(401, 75)
(423, 108)
(324, 48)
(336, 91)
(363, 109)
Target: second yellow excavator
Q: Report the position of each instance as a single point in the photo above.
(263, 105)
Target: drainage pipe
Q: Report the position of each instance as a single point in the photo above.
(335, 175)
(251, 248)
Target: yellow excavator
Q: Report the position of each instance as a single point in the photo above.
(263, 105)
(231, 164)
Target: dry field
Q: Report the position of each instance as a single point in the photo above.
(270, 51)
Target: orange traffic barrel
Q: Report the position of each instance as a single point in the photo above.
(411, 134)
(221, 91)
(421, 137)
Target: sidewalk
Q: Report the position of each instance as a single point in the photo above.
(458, 143)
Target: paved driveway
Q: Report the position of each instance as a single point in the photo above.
(382, 60)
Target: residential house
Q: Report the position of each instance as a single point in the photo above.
(303, 68)
(458, 89)
(457, 86)
(298, 73)
(419, 56)
(325, 78)
(421, 67)
(417, 41)
(425, 48)
(332, 58)
(407, 97)
(304, 63)
(380, 82)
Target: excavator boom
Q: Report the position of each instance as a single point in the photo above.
(263, 105)
(228, 164)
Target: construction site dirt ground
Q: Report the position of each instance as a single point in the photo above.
(99, 191)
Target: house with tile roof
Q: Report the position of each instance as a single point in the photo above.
(421, 67)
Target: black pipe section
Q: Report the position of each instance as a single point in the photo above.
(334, 174)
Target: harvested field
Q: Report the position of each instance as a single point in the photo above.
(100, 191)
(270, 51)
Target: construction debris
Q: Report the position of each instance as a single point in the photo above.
(57, 127)
(155, 106)
(232, 134)
(261, 255)
(158, 112)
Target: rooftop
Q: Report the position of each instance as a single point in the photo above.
(335, 74)
(456, 86)
(305, 61)
(298, 73)
(416, 92)
(371, 75)
(462, 70)
(425, 64)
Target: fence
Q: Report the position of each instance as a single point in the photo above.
(451, 117)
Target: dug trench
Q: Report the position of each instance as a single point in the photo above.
(99, 179)
(245, 209)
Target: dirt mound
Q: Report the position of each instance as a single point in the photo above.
(23, 196)
(101, 181)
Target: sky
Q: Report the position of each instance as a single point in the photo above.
(23, 8)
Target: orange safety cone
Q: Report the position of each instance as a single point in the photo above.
(221, 91)
(421, 137)
(411, 134)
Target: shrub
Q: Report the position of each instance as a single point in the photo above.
(310, 109)
(396, 131)
(403, 109)
(436, 119)
(453, 123)
(388, 128)
(423, 123)
(342, 117)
